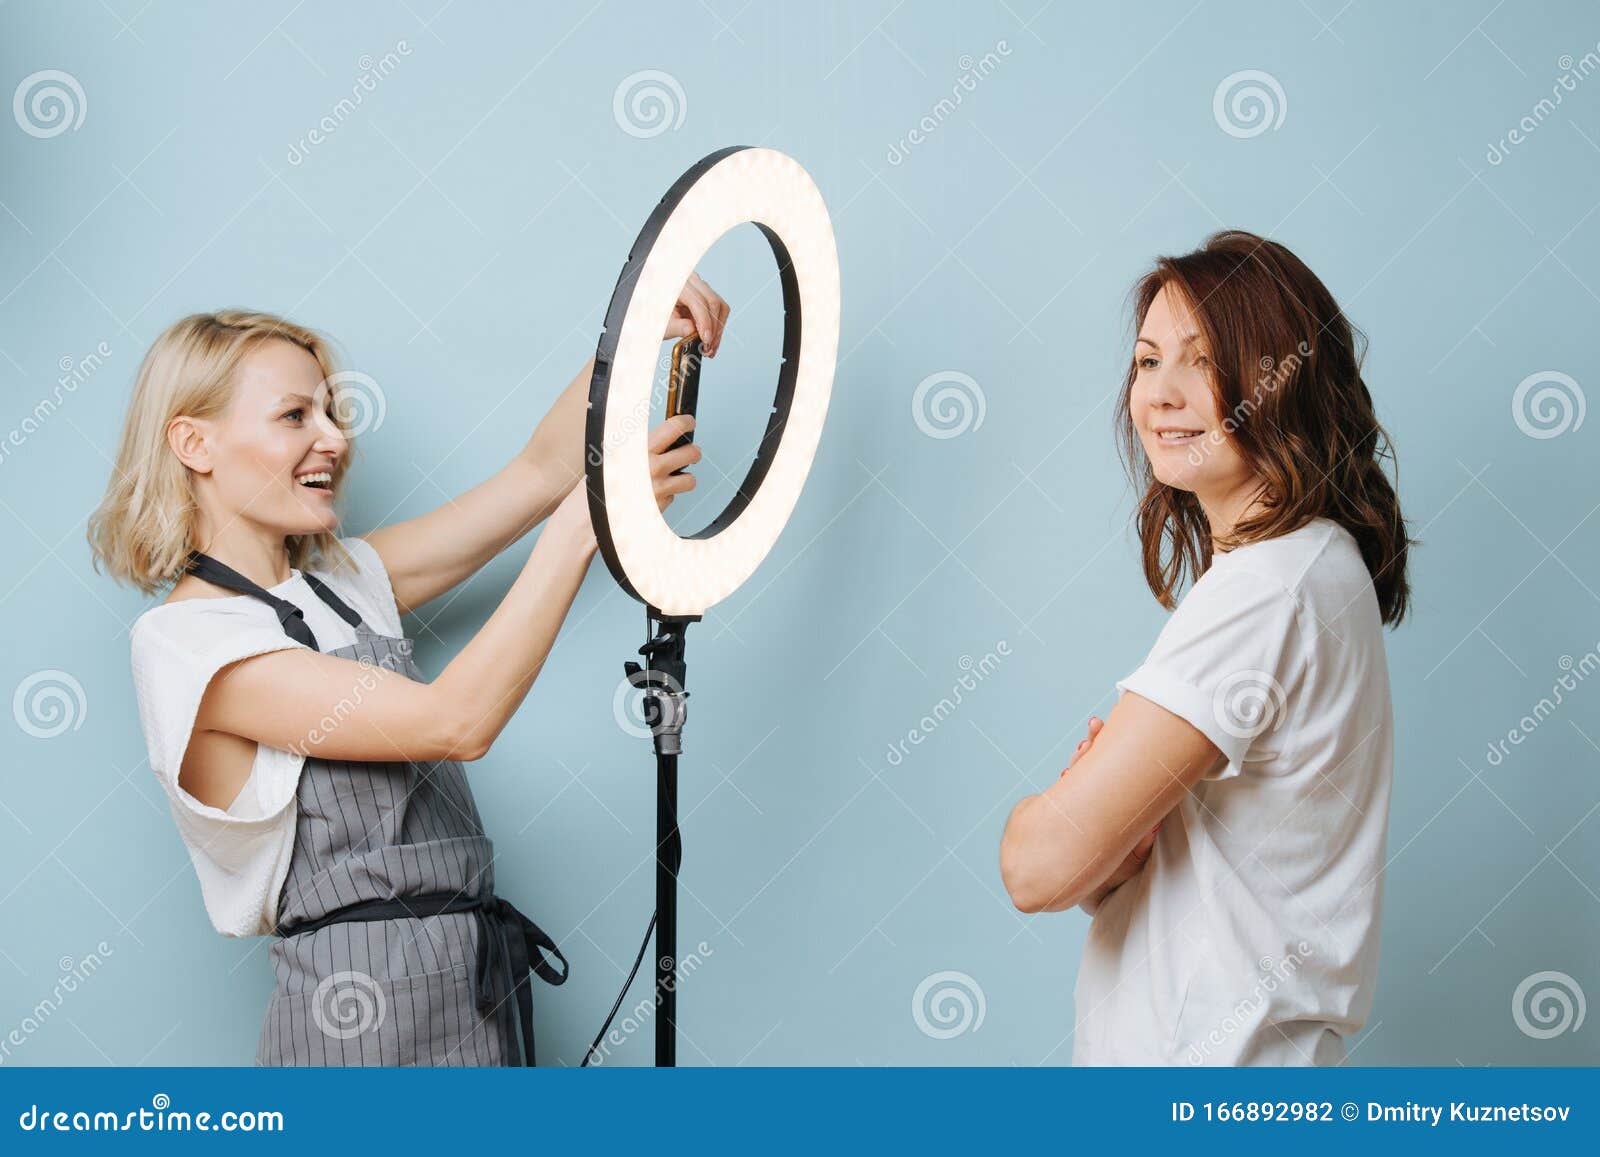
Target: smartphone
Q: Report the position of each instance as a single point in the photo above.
(683, 385)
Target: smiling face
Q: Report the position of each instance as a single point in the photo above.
(272, 456)
(1173, 404)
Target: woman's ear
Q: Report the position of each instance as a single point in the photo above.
(189, 442)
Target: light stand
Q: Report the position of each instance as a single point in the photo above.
(678, 577)
(661, 679)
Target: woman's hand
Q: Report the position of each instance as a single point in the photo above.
(572, 519)
(1133, 863)
(664, 459)
(700, 311)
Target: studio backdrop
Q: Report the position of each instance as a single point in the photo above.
(450, 190)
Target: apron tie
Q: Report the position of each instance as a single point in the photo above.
(510, 946)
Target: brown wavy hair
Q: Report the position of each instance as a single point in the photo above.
(1286, 372)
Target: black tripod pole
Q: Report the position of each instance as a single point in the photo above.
(669, 854)
(666, 707)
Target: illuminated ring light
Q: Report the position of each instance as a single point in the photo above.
(669, 573)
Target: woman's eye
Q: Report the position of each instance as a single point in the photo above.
(297, 413)
(1148, 362)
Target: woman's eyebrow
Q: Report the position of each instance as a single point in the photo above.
(300, 399)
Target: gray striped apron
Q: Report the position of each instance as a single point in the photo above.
(392, 947)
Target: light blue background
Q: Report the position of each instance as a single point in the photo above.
(460, 235)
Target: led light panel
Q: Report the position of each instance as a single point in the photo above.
(673, 574)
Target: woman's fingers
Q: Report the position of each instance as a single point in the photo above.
(719, 311)
(700, 309)
(664, 459)
(664, 435)
(716, 312)
(671, 486)
(670, 460)
(701, 312)
(1095, 724)
(1083, 746)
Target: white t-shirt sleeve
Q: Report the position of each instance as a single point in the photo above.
(368, 587)
(241, 852)
(1226, 661)
(176, 652)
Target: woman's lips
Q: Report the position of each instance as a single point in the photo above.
(1185, 440)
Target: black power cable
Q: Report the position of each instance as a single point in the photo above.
(626, 984)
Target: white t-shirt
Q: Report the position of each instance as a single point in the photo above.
(241, 854)
(1251, 935)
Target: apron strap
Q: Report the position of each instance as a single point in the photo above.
(339, 606)
(290, 617)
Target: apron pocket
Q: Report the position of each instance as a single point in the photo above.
(352, 1018)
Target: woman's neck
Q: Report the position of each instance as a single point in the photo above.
(262, 559)
(1225, 510)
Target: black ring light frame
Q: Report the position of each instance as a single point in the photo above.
(605, 356)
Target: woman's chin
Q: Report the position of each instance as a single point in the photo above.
(1179, 477)
(305, 527)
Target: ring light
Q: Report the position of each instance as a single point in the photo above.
(678, 575)
(678, 578)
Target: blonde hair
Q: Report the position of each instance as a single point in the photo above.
(146, 525)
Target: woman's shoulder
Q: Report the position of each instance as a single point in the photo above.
(195, 617)
(196, 634)
(1319, 566)
(1317, 555)
(366, 582)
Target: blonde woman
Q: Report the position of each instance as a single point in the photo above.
(315, 775)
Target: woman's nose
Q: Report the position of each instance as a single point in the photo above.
(1162, 391)
(330, 438)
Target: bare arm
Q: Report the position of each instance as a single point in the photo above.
(1061, 846)
(432, 553)
(333, 708)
